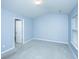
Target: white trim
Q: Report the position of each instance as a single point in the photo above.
(27, 41)
(23, 30)
(74, 45)
(73, 54)
(14, 28)
(14, 31)
(8, 50)
(49, 40)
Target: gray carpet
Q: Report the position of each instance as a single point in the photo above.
(37, 49)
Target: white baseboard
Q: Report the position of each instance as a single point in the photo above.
(74, 45)
(49, 40)
(14, 47)
(27, 41)
(8, 52)
(73, 54)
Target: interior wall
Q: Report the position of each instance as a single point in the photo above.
(51, 27)
(72, 13)
(27, 29)
(7, 29)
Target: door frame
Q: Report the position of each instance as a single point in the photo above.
(15, 29)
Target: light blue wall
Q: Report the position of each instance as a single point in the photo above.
(7, 29)
(27, 29)
(53, 27)
(73, 13)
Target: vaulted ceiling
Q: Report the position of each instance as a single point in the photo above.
(29, 9)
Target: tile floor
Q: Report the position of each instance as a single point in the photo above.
(37, 49)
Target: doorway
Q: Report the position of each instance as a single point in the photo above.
(19, 32)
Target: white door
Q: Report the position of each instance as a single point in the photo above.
(19, 31)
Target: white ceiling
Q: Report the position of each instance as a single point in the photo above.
(29, 9)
